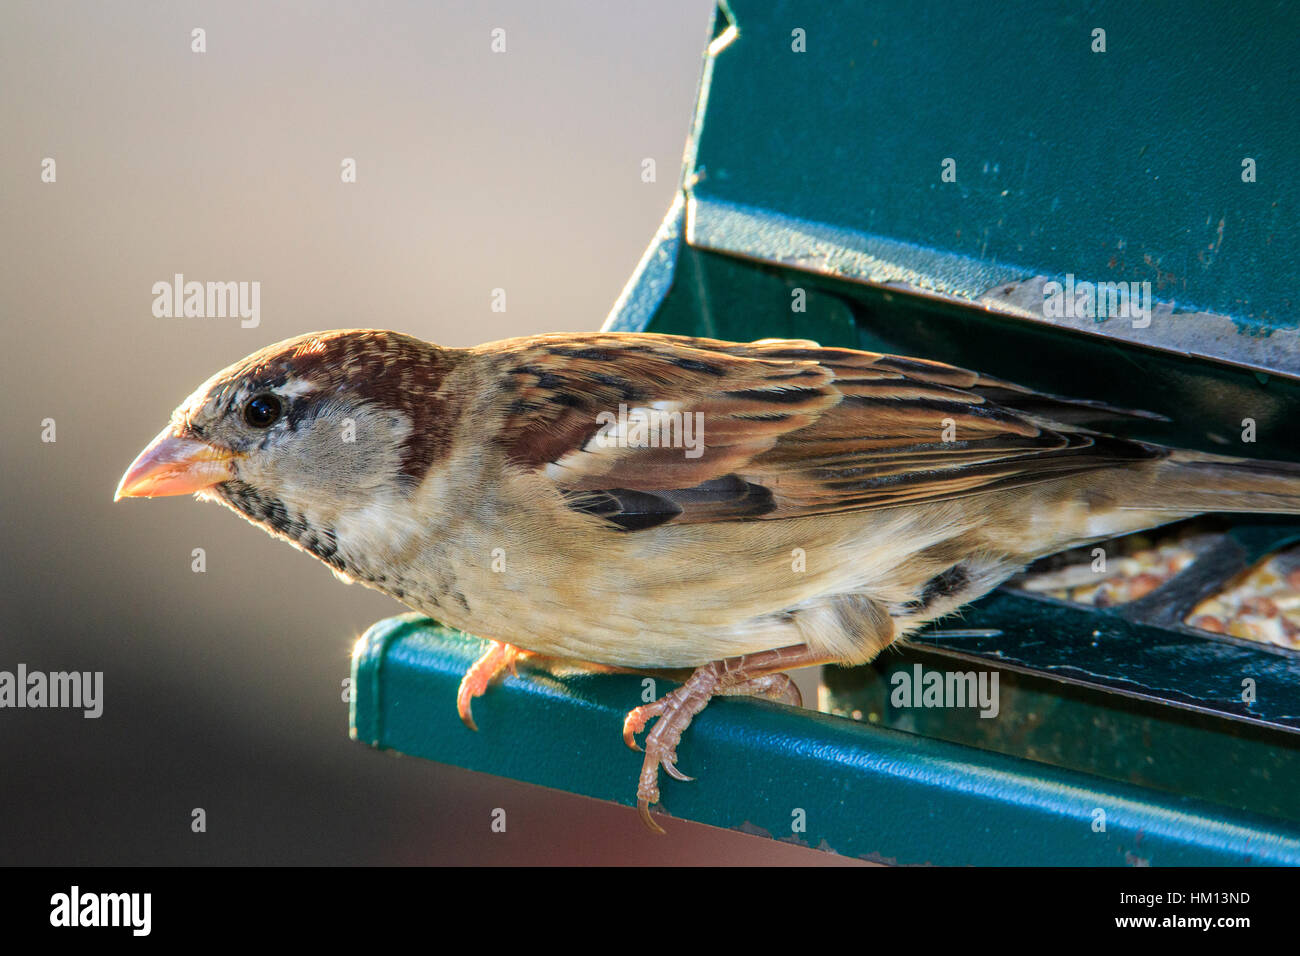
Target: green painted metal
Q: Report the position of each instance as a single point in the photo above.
(860, 790)
(1119, 165)
(1142, 742)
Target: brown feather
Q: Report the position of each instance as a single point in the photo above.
(823, 431)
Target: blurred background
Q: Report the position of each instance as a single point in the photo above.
(476, 171)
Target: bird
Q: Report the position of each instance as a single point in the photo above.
(640, 501)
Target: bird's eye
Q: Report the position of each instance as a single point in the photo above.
(262, 411)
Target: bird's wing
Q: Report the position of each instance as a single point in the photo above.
(773, 429)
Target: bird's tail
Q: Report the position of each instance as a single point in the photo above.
(1190, 481)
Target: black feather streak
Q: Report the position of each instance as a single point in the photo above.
(266, 509)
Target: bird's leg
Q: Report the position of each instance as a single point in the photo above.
(778, 687)
(750, 674)
(491, 665)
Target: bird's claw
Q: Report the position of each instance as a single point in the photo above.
(638, 717)
(643, 808)
(490, 665)
(464, 705)
(674, 711)
(749, 675)
(673, 772)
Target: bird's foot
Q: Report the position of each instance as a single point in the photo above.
(675, 711)
(491, 665)
(778, 687)
(751, 675)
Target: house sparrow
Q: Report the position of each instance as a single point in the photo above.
(787, 505)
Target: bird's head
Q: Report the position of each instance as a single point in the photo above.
(307, 433)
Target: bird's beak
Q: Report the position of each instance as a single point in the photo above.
(173, 465)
